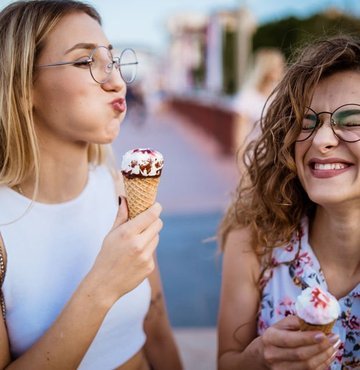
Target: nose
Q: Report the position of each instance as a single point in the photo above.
(324, 136)
(115, 82)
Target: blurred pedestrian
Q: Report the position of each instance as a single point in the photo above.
(136, 106)
(295, 220)
(250, 102)
(81, 287)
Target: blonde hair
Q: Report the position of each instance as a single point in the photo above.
(270, 199)
(266, 62)
(24, 26)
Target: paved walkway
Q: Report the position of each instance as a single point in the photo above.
(196, 178)
(194, 190)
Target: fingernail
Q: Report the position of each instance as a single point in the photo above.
(333, 339)
(337, 344)
(319, 337)
(119, 201)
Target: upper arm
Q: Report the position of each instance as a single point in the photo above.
(4, 341)
(239, 299)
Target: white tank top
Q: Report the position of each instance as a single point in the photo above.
(50, 249)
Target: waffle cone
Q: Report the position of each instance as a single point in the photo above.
(326, 328)
(140, 193)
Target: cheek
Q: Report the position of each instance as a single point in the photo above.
(301, 149)
(299, 159)
(300, 152)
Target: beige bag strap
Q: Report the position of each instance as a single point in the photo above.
(2, 276)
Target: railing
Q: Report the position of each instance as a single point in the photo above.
(214, 115)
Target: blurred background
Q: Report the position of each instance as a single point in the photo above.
(206, 69)
(203, 82)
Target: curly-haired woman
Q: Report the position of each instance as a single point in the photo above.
(295, 220)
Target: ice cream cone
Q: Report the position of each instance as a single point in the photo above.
(325, 328)
(317, 309)
(140, 193)
(141, 169)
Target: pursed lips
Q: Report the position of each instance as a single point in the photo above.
(119, 105)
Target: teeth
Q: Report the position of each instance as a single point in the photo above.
(329, 166)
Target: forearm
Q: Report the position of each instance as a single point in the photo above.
(250, 358)
(163, 355)
(160, 347)
(67, 340)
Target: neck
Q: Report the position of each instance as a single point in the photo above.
(335, 238)
(63, 175)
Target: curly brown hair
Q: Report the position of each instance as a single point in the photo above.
(269, 198)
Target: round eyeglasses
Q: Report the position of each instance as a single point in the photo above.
(344, 122)
(101, 64)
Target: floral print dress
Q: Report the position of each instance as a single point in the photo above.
(293, 268)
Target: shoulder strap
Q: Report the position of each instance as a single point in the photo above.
(2, 276)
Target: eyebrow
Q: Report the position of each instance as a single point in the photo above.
(85, 45)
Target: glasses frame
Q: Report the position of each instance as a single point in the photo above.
(333, 124)
(116, 61)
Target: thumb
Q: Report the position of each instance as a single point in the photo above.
(122, 214)
(290, 322)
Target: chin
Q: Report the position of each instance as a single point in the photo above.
(328, 199)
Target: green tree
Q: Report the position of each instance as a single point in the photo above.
(287, 34)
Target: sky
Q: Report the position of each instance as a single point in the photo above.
(143, 22)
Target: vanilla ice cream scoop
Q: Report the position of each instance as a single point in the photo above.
(142, 163)
(317, 307)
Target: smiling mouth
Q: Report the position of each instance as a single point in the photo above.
(329, 166)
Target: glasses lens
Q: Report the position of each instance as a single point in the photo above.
(128, 65)
(102, 64)
(347, 122)
(308, 125)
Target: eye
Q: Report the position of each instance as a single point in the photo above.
(84, 62)
(355, 122)
(309, 121)
(348, 118)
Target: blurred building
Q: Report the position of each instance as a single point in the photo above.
(186, 50)
(209, 52)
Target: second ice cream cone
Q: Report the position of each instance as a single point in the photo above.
(325, 328)
(317, 309)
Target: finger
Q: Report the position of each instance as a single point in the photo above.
(291, 339)
(290, 322)
(151, 246)
(322, 360)
(315, 354)
(141, 222)
(153, 229)
(122, 214)
(151, 232)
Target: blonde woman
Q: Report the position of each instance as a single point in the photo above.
(295, 220)
(81, 288)
(265, 73)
